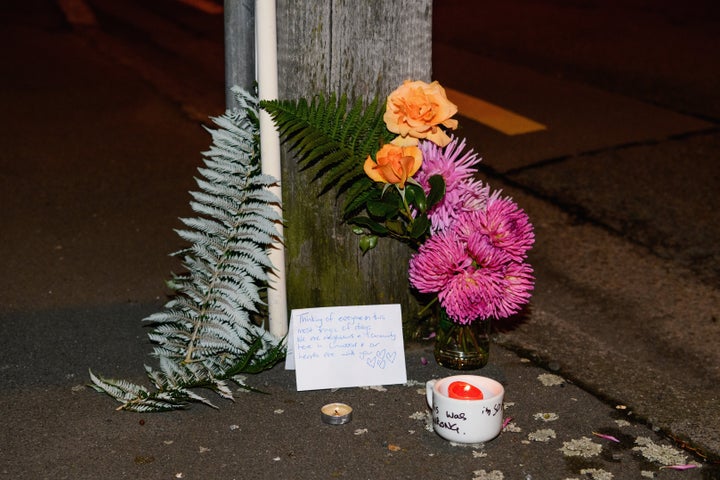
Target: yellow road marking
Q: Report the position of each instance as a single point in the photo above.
(204, 6)
(498, 118)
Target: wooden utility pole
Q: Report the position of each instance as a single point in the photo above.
(362, 48)
(239, 47)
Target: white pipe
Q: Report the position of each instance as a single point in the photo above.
(267, 77)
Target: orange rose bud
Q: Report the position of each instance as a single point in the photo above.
(395, 164)
(417, 109)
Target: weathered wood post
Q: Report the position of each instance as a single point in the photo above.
(362, 48)
(239, 19)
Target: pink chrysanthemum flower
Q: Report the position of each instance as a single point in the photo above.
(476, 266)
(449, 161)
(440, 258)
(518, 282)
(505, 224)
(468, 296)
(462, 192)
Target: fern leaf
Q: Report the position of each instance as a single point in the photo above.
(357, 195)
(205, 336)
(329, 139)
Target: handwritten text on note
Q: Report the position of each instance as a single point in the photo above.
(334, 347)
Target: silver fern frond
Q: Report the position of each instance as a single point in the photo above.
(206, 335)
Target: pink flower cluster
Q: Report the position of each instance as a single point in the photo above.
(475, 258)
(463, 193)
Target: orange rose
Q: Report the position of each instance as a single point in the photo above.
(394, 164)
(416, 109)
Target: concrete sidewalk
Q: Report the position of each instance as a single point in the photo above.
(95, 171)
(66, 431)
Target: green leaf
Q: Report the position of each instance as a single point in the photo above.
(437, 190)
(419, 227)
(331, 140)
(368, 242)
(385, 208)
(415, 195)
(396, 226)
(368, 224)
(358, 195)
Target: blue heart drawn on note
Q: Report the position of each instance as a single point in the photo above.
(391, 356)
(381, 358)
(371, 362)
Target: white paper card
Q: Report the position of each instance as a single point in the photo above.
(349, 346)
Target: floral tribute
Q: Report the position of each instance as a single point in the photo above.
(419, 187)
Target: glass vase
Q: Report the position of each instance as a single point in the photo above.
(462, 346)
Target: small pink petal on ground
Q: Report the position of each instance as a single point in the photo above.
(506, 422)
(679, 467)
(423, 360)
(606, 437)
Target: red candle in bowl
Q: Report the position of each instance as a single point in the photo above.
(464, 391)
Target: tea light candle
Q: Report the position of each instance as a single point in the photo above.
(464, 391)
(336, 413)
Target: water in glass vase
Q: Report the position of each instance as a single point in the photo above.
(462, 347)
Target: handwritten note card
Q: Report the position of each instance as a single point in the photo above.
(334, 347)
